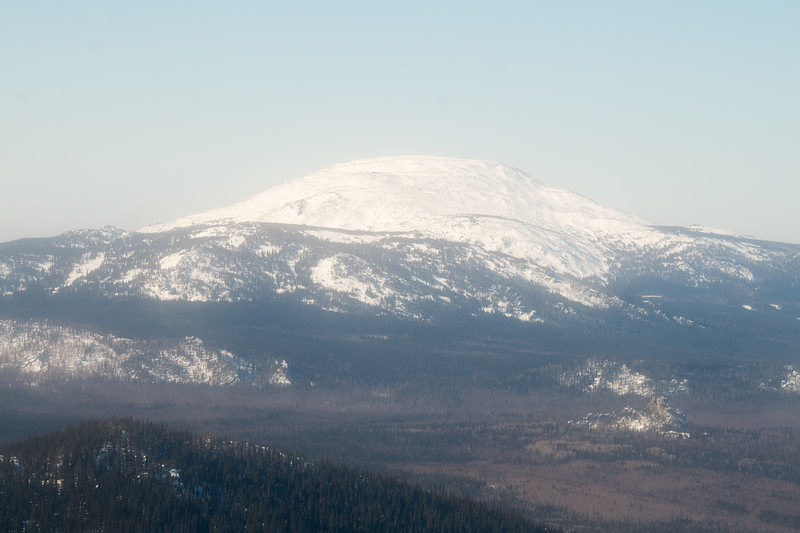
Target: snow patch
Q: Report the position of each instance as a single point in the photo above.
(235, 242)
(133, 274)
(792, 381)
(280, 375)
(352, 276)
(214, 231)
(89, 265)
(171, 261)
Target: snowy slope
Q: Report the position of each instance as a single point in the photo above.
(499, 208)
(415, 193)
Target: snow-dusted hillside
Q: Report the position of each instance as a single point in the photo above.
(620, 379)
(44, 349)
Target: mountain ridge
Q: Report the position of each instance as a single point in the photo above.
(533, 253)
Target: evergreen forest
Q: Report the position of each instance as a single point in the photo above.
(128, 475)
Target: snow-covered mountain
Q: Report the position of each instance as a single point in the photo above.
(419, 237)
(485, 204)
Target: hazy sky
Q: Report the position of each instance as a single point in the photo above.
(131, 113)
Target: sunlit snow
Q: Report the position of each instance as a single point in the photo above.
(792, 381)
(496, 207)
(89, 265)
(513, 223)
(336, 273)
(280, 375)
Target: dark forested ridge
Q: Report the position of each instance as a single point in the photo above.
(126, 475)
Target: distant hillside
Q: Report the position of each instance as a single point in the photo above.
(124, 475)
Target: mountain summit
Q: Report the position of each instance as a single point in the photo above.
(415, 193)
(500, 208)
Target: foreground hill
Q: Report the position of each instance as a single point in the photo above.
(123, 475)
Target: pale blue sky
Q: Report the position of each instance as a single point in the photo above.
(128, 114)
